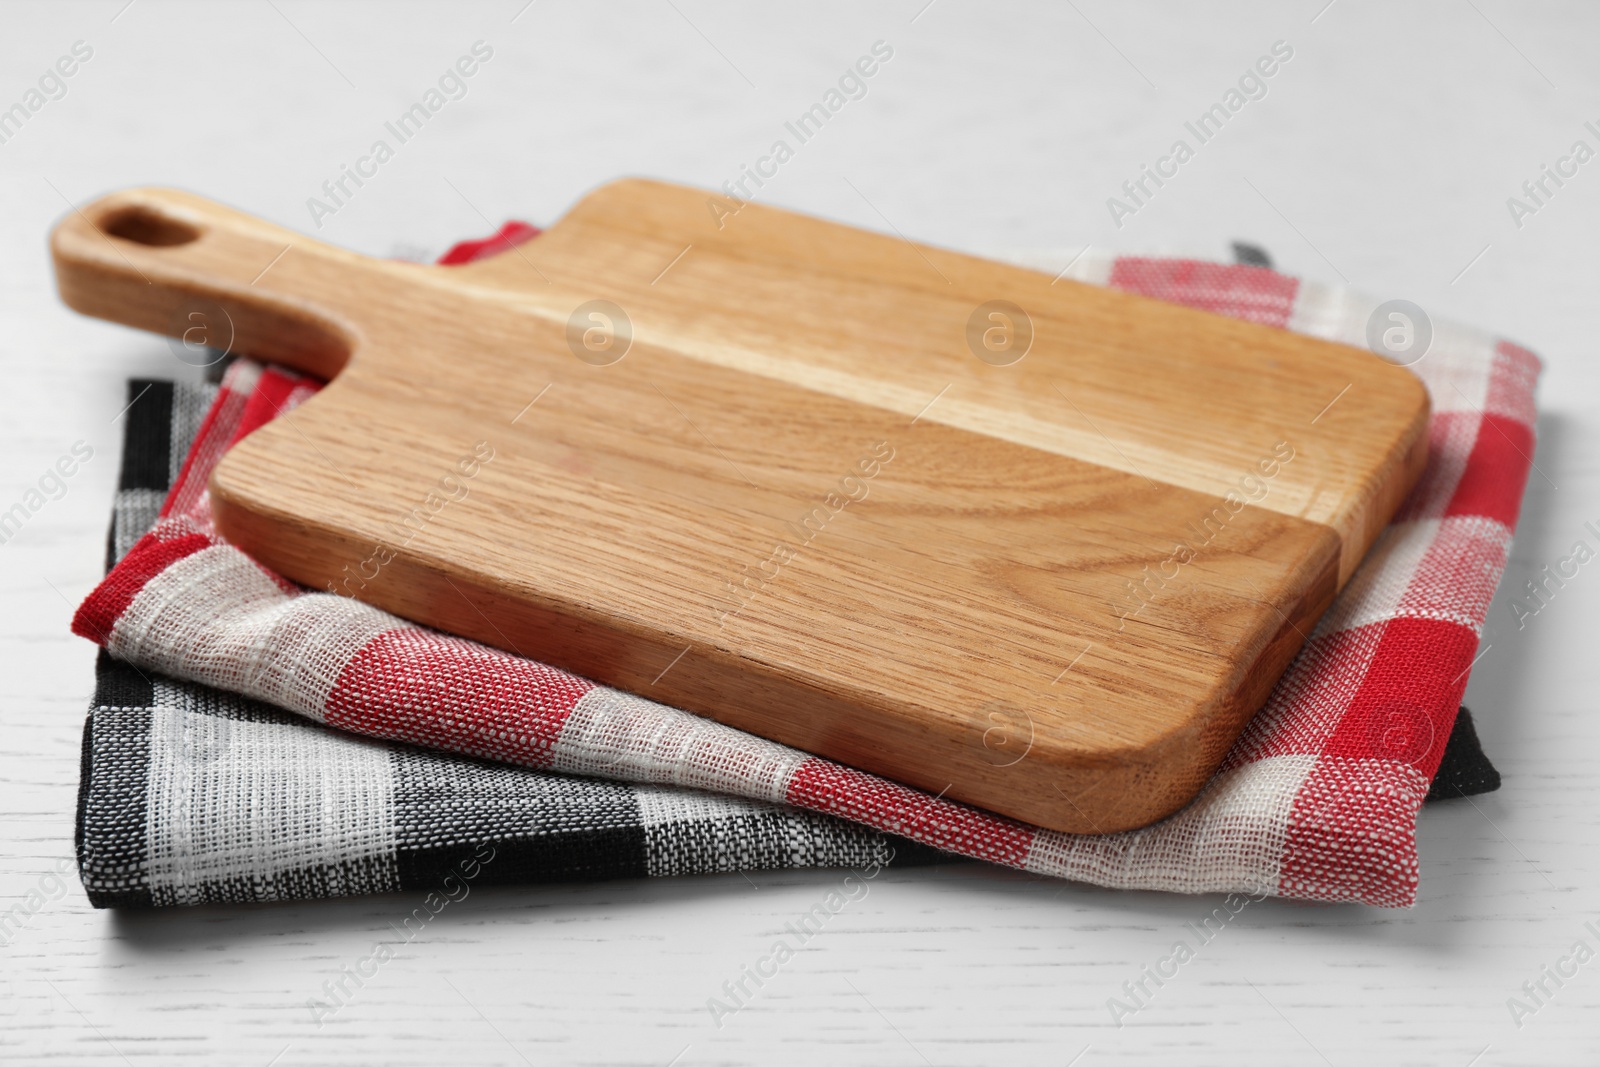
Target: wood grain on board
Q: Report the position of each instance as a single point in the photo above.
(805, 482)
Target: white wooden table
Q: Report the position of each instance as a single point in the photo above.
(1383, 153)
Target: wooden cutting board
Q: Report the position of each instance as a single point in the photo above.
(1035, 545)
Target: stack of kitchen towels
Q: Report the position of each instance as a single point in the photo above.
(252, 740)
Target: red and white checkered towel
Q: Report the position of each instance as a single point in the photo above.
(1317, 800)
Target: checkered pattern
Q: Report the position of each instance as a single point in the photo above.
(1317, 800)
(191, 795)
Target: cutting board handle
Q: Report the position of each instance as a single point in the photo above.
(181, 265)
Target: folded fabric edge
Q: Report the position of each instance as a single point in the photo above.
(168, 767)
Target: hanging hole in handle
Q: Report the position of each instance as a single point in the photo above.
(147, 226)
